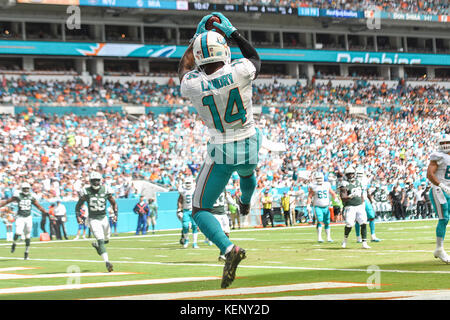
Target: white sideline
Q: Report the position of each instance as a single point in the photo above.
(240, 266)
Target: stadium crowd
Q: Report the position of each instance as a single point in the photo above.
(25, 92)
(58, 152)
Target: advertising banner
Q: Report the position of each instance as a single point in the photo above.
(176, 52)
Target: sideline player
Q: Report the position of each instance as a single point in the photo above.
(96, 196)
(24, 219)
(185, 212)
(221, 92)
(368, 200)
(354, 209)
(439, 175)
(7, 216)
(319, 193)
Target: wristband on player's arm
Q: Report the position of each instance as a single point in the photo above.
(248, 51)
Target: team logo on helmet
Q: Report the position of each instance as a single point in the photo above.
(95, 179)
(444, 144)
(210, 47)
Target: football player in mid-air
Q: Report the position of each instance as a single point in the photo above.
(221, 92)
(354, 209)
(319, 193)
(438, 173)
(185, 213)
(96, 197)
(25, 199)
(368, 207)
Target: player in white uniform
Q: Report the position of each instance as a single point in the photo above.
(319, 193)
(221, 92)
(184, 212)
(439, 175)
(368, 200)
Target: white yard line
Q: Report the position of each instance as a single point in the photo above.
(238, 291)
(102, 285)
(16, 269)
(240, 266)
(9, 276)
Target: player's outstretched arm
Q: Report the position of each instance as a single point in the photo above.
(4, 203)
(187, 62)
(248, 51)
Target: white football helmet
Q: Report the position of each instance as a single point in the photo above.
(318, 177)
(444, 144)
(95, 179)
(350, 174)
(210, 47)
(188, 183)
(25, 188)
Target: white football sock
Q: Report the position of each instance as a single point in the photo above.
(328, 232)
(439, 243)
(194, 237)
(319, 232)
(105, 256)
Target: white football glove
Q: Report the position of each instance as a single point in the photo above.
(180, 215)
(445, 188)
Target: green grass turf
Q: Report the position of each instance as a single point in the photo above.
(274, 257)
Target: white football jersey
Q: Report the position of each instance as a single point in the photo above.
(321, 196)
(223, 100)
(443, 170)
(187, 196)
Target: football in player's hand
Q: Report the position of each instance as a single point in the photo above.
(209, 25)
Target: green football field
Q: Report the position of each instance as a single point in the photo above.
(281, 263)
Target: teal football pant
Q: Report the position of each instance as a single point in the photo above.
(188, 219)
(322, 216)
(222, 161)
(442, 210)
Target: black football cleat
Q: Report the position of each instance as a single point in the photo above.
(233, 258)
(109, 266)
(25, 257)
(244, 209)
(13, 247)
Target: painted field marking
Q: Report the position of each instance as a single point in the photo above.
(102, 284)
(391, 295)
(10, 276)
(16, 269)
(238, 291)
(240, 266)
